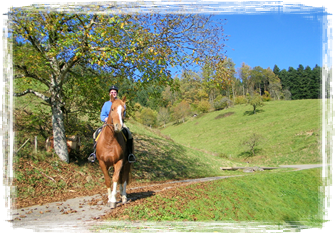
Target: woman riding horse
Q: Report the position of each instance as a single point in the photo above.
(113, 92)
(112, 151)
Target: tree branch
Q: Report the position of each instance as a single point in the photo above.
(37, 94)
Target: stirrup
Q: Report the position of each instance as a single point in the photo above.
(92, 157)
(131, 158)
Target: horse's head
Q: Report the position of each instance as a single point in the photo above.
(116, 113)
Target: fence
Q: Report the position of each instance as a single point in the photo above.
(24, 144)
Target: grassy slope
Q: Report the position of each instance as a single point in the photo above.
(27, 178)
(291, 202)
(160, 158)
(285, 125)
(290, 132)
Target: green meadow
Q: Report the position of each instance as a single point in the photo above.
(290, 202)
(281, 198)
(289, 132)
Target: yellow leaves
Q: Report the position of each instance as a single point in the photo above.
(196, 60)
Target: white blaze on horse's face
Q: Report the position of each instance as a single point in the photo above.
(119, 112)
(118, 126)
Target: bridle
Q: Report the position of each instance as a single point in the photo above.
(111, 126)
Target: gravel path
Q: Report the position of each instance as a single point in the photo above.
(82, 213)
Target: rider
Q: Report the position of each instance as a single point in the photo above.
(113, 92)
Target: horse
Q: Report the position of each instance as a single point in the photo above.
(111, 151)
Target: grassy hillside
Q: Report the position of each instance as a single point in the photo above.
(276, 198)
(28, 178)
(289, 132)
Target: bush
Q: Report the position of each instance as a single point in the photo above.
(204, 106)
(222, 103)
(240, 100)
(266, 96)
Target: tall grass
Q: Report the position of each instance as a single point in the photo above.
(290, 132)
(274, 198)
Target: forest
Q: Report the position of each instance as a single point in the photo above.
(197, 92)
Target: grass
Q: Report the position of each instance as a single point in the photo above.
(160, 158)
(290, 132)
(282, 198)
(27, 178)
(198, 148)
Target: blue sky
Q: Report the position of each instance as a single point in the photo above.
(282, 32)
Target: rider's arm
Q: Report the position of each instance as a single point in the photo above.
(105, 112)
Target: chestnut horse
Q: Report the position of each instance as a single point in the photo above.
(111, 151)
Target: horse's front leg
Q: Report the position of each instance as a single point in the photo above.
(108, 183)
(123, 193)
(112, 196)
(116, 176)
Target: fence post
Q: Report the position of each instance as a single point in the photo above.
(35, 144)
(22, 145)
(12, 144)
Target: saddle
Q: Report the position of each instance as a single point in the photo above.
(97, 133)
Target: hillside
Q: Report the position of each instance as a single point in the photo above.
(288, 131)
(42, 177)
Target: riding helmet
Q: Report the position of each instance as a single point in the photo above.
(113, 87)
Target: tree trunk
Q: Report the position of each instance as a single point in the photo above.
(60, 146)
(58, 128)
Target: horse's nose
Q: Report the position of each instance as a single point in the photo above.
(117, 127)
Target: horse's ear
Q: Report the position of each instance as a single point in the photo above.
(112, 99)
(124, 99)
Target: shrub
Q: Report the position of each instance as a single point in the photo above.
(266, 96)
(240, 100)
(204, 106)
(222, 103)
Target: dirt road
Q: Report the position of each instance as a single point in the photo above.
(82, 213)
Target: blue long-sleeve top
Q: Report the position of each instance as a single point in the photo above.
(105, 110)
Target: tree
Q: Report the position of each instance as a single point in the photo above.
(276, 70)
(292, 83)
(255, 101)
(148, 117)
(181, 110)
(244, 74)
(204, 106)
(251, 143)
(257, 78)
(163, 115)
(64, 50)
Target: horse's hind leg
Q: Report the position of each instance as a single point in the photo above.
(123, 193)
(124, 178)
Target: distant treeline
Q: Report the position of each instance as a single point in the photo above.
(303, 83)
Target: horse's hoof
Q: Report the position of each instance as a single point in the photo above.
(112, 205)
(124, 200)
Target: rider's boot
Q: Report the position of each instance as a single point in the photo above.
(92, 157)
(131, 156)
